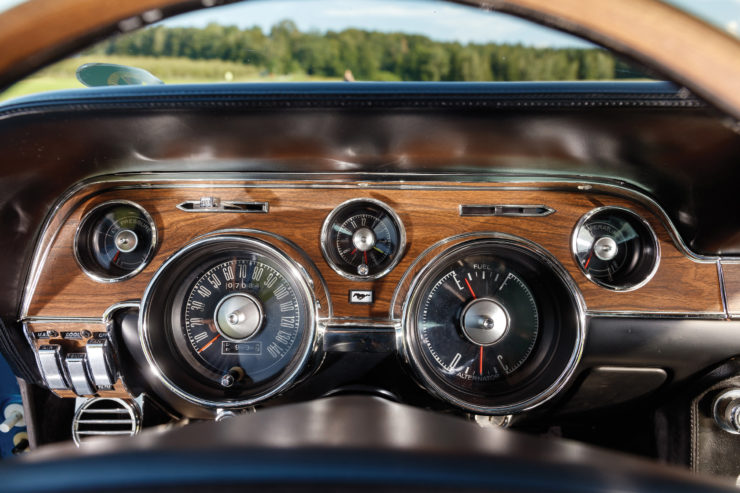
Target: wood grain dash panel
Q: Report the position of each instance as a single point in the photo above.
(731, 273)
(680, 285)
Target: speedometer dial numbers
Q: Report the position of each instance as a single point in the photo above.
(241, 318)
(228, 321)
(493, 325)
(362, 239)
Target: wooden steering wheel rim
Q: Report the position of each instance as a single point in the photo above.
(666, 39)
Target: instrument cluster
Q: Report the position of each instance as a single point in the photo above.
(488, 322)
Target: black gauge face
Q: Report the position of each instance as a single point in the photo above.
(242, 319)
(115, 241)
(478, 322)
(493, 325)
(362, 239)
(228, 322)
(615, 248)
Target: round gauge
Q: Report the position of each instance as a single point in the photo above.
(228, 321)
(363, 239)
(615, 248)
(115, 241)
(493, 325)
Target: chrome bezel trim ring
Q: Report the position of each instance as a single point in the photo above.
(325, 238)
(414, 358)
(300, 359)
(639, 219)
(89, 216)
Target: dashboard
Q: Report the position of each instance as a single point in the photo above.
(241, 287)
(515, 255)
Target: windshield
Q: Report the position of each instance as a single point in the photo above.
(335, 40)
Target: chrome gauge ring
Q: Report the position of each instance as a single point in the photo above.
(228, 321)
(493, 325)
(615, 248)
(363, 239)
(115, 241)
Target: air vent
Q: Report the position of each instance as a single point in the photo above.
(105, 417)
(506, 210)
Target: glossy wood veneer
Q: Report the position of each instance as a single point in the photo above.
(681, 285)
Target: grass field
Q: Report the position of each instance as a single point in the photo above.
(170, 70)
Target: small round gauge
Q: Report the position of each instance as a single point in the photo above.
(227, 322)
(493, 325)
(115, 241)
(615, 248)
(363, 239)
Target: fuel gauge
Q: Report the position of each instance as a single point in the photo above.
(615, 248)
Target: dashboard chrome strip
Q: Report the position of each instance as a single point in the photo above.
(722, 289)
(657, 315)
(362, 181)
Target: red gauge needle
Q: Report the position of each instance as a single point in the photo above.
(365, 253)
(115, 257)
(588, 260)
(353, 251)
(470, 288)
(208, 344)
(480, 362)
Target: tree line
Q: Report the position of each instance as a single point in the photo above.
(369, 55)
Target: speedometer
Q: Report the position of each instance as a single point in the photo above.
(241, 319)
(228, 321)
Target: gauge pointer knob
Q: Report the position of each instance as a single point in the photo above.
(484, 321)
(363, 239)
(605, 248)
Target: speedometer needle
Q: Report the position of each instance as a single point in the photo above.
(480, 363)
(208, 344)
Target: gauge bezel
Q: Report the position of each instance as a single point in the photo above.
(324, 239)
(82, 231)
(252, 244)
(641, 220)
(456, 246)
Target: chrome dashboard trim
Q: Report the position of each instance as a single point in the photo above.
(653, 237)
(323, 239)
(722, 289)
(47, 235)
(302, 282)
(450, 246)
(657, 315)
(546, 210)
(149, 254)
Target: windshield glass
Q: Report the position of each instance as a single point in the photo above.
(335, 40)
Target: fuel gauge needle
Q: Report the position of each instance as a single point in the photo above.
(471, 289)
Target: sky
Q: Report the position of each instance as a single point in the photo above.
(433, 18)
